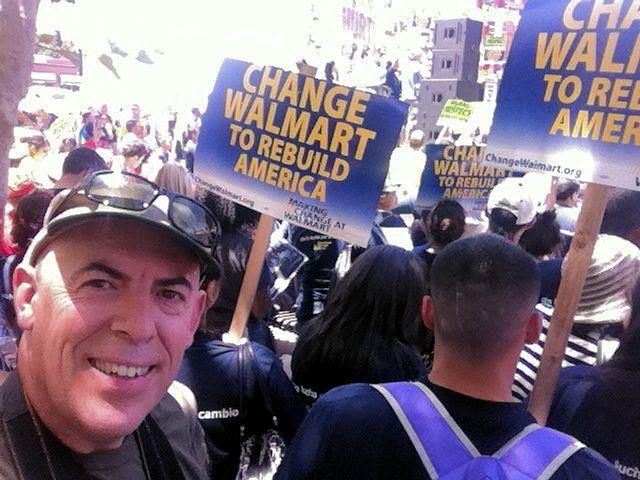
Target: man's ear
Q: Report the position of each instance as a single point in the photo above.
(426, 312)
(198, 311)
(24, 289)
(534, 328)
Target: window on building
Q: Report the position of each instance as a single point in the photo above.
(437, 97)
(446, 63)
(449, 33)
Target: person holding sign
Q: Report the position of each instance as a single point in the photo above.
(597, 405)
(484, 290)
(602, 308)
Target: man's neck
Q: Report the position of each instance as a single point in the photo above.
(485, 380)
(69, 180)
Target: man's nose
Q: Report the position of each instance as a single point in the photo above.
(135, 319)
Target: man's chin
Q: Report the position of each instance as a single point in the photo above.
(105, 427)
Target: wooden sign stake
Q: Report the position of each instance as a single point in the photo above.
(251, 278)
(573, 277)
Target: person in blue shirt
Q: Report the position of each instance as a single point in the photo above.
(240, 387)
(484, 289)
(599, 405)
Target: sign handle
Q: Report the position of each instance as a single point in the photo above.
(553, 192)
(573, 277)
(251, 277)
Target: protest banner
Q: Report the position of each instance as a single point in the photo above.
(569, 100)
(457, 173)
(568, 106)
(454, 113)
(293, 147)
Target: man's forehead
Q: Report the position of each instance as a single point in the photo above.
(121, 237)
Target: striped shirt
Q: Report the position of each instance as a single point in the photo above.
(582, 349)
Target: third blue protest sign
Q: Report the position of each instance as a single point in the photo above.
(569, 100)
(304, 150)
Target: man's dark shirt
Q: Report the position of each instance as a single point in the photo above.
(124, 462)
(351, 432)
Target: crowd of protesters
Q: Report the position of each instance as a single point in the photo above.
(464, 316)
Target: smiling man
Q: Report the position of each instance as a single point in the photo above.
(108, 297)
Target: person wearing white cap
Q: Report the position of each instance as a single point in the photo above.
(510, 209)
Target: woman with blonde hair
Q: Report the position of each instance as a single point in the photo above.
(176, 178)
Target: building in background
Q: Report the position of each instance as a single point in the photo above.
(500, 25)
(454, 71)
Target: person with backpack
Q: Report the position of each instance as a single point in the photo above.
(461, 423)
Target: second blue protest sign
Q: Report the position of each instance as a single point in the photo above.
(569, 100)
(304, 150)
(458, 173)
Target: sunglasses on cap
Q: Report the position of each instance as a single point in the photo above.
(128, 191)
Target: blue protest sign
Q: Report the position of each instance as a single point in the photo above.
(569, 100)
(458, 173)
(310, 152)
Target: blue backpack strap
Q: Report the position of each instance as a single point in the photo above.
(537, 451)
(440, 443)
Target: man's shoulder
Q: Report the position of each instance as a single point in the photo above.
(356, 404)
(185, 435)
(346, 396)
(586, 464)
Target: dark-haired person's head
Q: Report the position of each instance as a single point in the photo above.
(130, 126)
(29, 216)
(567, 192)
(79, 163)
(222, 208)
(244, 216)
(510, 209)
(622, 215)
(543, 237)
(417, 233)
(483, 293)
(369, 328)
(446, 223)
(83, 160)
